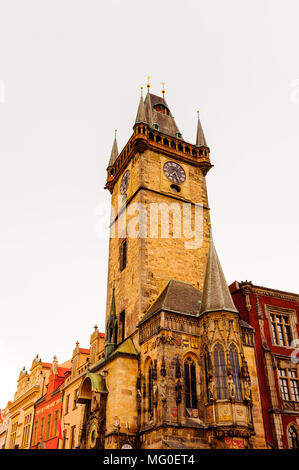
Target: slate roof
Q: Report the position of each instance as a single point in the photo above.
(166, 123)
(178, 297)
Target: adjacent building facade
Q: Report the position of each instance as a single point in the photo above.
(274, 316)
(47, 410)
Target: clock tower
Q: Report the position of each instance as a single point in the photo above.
(178, 368)
(160, 214)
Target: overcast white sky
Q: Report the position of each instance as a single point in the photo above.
(72, 72)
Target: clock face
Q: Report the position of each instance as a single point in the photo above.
(125, 182)
(174, 172)
(126, 446)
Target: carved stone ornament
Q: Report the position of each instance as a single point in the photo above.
(247, 390)
(211, 388)
(231, 388)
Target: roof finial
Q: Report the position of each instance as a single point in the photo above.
(141, 88)
(163, 90)
(148, 84)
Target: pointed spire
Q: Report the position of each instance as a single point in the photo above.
(111, 328)
(200, 137)
(216, 295)
(141, 111)
(114, 151)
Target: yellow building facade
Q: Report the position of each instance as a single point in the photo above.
(30, 387)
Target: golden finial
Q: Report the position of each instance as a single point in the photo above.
(197, 113)
(210, 230)
(163, 91)
(141, 88)
(148, 83)
(115, 130)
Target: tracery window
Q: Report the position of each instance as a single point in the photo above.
(234, 361)
(190, 384)
(220, 373)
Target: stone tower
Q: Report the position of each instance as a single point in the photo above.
(160, 214)
(178, 368)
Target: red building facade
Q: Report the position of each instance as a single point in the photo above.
(274, 316)
(46, 429)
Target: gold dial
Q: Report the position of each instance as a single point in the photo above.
(125, 182)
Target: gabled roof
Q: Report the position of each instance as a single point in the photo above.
(166, 123)
(216, 295)
(177, 297)
(127, 347)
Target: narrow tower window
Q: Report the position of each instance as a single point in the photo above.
(122, 318)
(123, 254)
(150, 391)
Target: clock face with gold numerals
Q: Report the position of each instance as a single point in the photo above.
(125, 182)
(174, 172)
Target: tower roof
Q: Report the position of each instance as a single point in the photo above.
(114, 152)
(154, 106)
(200, 137)
(216, 295)
(177, 297)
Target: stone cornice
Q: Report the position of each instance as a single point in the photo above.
(248, 287)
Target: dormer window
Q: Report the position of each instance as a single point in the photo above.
(162, 109)
(156, 126)
(178, 135)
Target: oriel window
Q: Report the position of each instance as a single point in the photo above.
(190, 384)
(220, 373)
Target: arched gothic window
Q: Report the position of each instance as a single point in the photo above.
(292, 438)
(220, 372)
(150, 391)
(234, 361)
(190, 384)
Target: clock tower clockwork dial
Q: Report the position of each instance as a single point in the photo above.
(174, 172)
(125, 182)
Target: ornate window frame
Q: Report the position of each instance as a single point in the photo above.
(291, 313)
